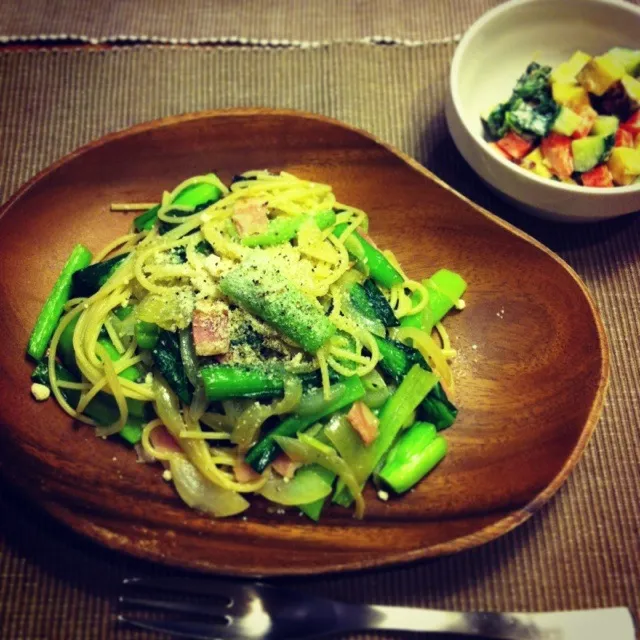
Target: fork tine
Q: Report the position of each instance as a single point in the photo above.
(184, 629)
(226, 590)
(172, 605)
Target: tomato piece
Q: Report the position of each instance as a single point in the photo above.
(499, 151)
(516, 147)
(599, 176)
(556, 150)
(588, 115)
(624, 138)
(633, 123)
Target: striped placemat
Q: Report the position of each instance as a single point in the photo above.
(255, 22)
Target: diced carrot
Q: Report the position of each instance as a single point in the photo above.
(211, 332)
(556, 150)
(588, 115)
(250, 217)
(515, 146)
(633, 123)
(285, 466)
(244, 473)
(624, 138)
(363, 421)
(599, 176)
(499, 151)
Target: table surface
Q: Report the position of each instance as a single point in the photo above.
(582, 550)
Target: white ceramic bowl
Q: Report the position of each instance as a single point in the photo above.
(491, 56)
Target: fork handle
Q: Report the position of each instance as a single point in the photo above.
(590, 624)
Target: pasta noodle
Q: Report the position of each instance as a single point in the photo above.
(173, 272)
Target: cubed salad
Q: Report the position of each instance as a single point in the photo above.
(577, 123)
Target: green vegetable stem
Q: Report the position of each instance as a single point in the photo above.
(166, 356)
(282, 230)
(197, 196)
(50, 314)
(417, 451)
(394, 414)
(380, 269)
(90, 279)
(261, 289)
(266, 450)
(227, 381)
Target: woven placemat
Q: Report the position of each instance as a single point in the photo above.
(258, 22)
(580, 551)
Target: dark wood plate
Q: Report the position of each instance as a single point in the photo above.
(531, 373)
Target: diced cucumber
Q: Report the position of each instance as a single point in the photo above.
(566, 122)
(590, 151)
(605, 126)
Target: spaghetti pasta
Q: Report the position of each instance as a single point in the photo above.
(253, 350)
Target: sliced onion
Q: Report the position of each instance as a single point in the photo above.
(199, 403)
(188, 356)
(250, 421)
(376, 390)
(199, 493)
(311, 451)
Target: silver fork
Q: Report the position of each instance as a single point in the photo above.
(254, 610)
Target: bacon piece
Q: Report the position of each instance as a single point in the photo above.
(244, 473)
(250, 217)
(285, 466)
(364, 422)
(211, 331)
(163, 441)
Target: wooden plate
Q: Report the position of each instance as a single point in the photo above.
(531, 373)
